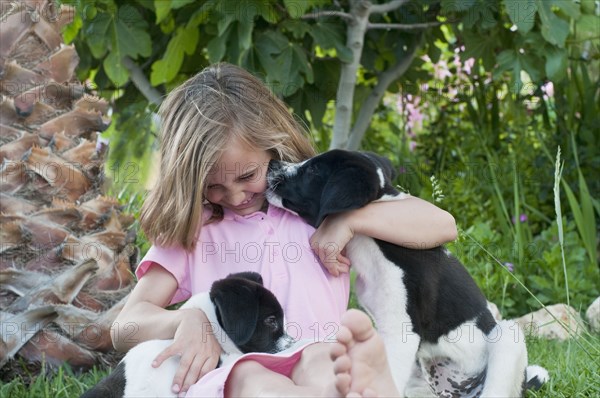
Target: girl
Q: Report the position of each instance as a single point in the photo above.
(207, 217)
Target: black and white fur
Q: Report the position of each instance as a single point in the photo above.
(439, 335)
(244, 316)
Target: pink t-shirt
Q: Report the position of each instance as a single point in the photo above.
(276, 245)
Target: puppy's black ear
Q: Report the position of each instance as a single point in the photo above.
(251, 276)
(349, 189)
(237, 308)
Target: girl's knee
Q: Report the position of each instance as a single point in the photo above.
(244, 368)
(238, 383)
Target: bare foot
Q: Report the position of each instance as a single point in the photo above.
(360, 361)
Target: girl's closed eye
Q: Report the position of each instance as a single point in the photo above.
(248, 176)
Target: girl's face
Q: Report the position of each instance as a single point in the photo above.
(238, 180)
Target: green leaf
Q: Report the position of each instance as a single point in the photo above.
(331, 35)
(588, 6)
(267, 11)
(284, 62)
(224, 23)
(298, 28)
(216, 47)
(176, 4)
(587, 27)
(515, 61)
(130, 35)
(480, 47)
(484, 14)
(71, 30)
(554, 29)
(297, 8)
(184, 41)
(569, 7)
(96, 33)
(556, 63)
(449, 6)
(521, 13)
(267, 44)
(244, 30)
(162, 9)
(115, 70)
(202, 14)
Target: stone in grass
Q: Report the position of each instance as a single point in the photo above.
(593, 315)
(494, 310)
(541, 324)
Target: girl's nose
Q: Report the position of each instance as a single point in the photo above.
(237, 198)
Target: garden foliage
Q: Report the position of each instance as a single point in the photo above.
(493, 89)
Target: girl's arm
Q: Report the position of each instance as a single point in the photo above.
(144, 318)
(411, 222)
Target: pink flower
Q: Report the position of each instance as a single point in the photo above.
(468, 65)
(522, 218)
(548, 88)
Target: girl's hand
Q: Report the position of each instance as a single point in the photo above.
(198, 356)
(329, 241)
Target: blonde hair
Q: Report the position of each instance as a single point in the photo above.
(198, 119)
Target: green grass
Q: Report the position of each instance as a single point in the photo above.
(572, 374)
(63, 383)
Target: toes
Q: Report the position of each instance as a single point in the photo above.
(344, 335)
(342, 364)
(337, 350)
(359, 324)
(342, 383)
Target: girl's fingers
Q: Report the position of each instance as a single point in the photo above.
(343, 259)
(193, 373)
(210, 364)
(166, 353)
(184, 366)
(197, 370)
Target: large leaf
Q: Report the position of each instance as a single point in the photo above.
(480, 47)
(556, 63)
(554, 29)
(449, 6)
(297, 8)
(162, 9)
(522, 14)
(284, 62)
(129, 33)
(123, 34)
(216, 47)
(184, 41)
(515, 61)
(331, 35)
(266, 45)
(114, 69)
(96, 33)
(483, 15)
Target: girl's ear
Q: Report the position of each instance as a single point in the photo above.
(350, 189)
(237, 309)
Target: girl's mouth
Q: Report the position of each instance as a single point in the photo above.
(247, 203)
